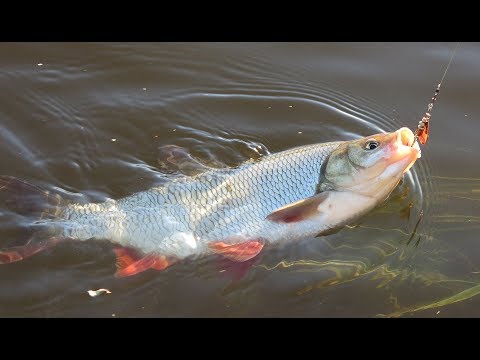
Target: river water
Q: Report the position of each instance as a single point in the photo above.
(93, 119)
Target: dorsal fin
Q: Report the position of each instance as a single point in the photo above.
(174, 158)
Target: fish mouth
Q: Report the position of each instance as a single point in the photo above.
(405, 149)
(405, 142)
(405, 136)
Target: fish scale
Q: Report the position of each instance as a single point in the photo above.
(181, 217)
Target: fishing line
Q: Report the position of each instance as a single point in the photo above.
(421, 133)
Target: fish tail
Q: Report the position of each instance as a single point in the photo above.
(30, 201)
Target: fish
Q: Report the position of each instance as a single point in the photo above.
(236, 212)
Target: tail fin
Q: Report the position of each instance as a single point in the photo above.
(17, 253)
(27, 199)
(31, 201)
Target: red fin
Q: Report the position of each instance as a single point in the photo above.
(299, 210)
(130, 262)
(238, 252)
(126, 256)
(18, 253)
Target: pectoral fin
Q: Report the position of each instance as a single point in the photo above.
(300, 210)
(329, 231)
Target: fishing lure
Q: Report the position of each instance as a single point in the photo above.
(421, 133)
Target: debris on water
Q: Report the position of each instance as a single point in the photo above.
(290, 106)
(299, 132)
(144, 89)
(438, 312)
(94, 293)
(114, 139)
(113, 315)
(40, 64)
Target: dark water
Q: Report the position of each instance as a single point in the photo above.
(90, 119)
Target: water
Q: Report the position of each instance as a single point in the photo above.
(92, 120)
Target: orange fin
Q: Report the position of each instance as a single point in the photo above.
(18, 253)
(130, 262)
(238, 252)
(299, 210)
(126, 256)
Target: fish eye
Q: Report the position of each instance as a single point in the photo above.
(371, 144)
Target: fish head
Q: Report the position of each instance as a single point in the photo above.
(371, 166)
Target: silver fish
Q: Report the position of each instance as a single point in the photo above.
(306, 191)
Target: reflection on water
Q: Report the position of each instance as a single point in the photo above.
(101, 120)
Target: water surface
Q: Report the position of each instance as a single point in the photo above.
(91, 119)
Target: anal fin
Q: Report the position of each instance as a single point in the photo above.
(131, 262)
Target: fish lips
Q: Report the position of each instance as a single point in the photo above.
(404, 151)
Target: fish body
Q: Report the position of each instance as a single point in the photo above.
(306, 191)
(182, 217)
